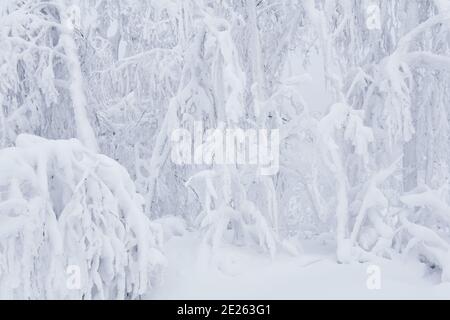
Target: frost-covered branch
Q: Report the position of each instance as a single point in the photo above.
(65, 207)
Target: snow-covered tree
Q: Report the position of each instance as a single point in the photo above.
(72, 225)
(43, 89)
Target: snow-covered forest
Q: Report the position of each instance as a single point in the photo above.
(349, 99)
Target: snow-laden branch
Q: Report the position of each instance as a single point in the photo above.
(406, 41)
(429, 59)
(32, 23)
(66, 208)
(141, 57)
(430, 200)
(225, 203)
(373, 199)
(430, 244)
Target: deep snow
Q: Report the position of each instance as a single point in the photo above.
(239, 273)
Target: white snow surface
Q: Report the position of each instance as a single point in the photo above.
(241, 273)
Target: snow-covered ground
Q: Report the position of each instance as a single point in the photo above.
(241, 274)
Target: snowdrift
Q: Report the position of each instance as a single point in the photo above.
(72, 225)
